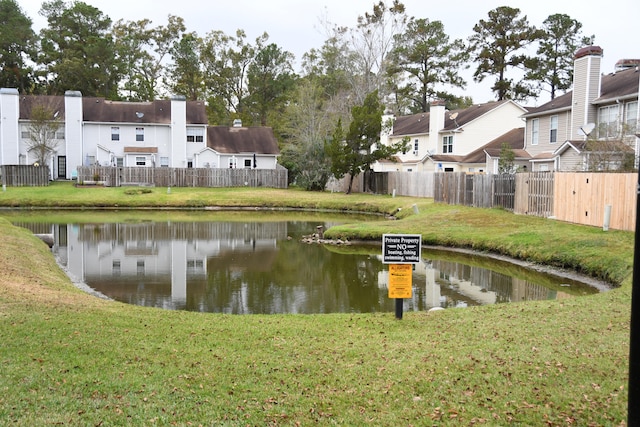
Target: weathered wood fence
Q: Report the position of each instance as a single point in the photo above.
(182, 177)
(525, 193)
(24, 175)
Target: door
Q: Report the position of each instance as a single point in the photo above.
(62, 167)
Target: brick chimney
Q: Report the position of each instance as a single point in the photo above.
(586, 88)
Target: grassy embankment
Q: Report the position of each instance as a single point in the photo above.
(69, 358)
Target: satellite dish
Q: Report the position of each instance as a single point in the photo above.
(586, 129)
(139, 114)
(453, 116)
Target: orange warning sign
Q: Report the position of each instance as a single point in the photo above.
(400, 280)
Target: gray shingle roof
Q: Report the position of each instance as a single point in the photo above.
(99, 110)
(53, 103)
(616, 85)
(419, 123)
(234, 140)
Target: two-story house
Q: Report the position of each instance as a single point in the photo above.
(440, 139)
(592, 127)
(160, 133)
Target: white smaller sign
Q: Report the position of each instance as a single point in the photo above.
(401, 248)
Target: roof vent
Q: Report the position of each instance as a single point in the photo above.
(237, 123)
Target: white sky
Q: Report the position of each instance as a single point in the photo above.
(295, 26)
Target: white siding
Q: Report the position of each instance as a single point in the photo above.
(9, 128)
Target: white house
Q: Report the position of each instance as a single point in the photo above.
(440, 139)
(95, 131)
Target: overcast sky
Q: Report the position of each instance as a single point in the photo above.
(296, 26)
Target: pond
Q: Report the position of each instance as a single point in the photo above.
(257, 262)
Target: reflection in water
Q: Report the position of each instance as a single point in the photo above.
(263, 267)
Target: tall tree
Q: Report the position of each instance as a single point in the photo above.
(353, 151)
(425, 60)
(498, 45)
(363, 50)
(44, 124)
(270, 78)
(77, 50)
(225, 61)
(309, 124)
(17, 41)
(553, 65)
(142, 50)
(186, 76)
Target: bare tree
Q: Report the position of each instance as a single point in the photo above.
(611, 150)
(45, 123)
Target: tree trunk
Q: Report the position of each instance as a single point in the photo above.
(350, 183)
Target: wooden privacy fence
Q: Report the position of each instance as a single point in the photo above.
(577, 197)
(417, 184)
(182, 177)
(583, 198)
(534, 194)
(24, 175)
(477, 190)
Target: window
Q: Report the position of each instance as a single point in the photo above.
(120, 162)
(415, 147)
(195, 135)
(189, 163)
(232, 162)
(447, 144)
(608, 121)
(553, 129)
(535, 131)
(247, 163)
(25, 134)
(115, 133)
(115, 267)
(164, 162)
(60, 134)
(141, 161)
(139, 134)
(140, 267)
(631, 118)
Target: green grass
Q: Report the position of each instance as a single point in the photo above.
(71, 359)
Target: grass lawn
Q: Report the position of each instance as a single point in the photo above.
(71, 359)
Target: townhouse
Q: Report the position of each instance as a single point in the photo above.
(161, 133)
(592, 127)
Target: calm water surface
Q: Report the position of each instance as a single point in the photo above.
(257, 263)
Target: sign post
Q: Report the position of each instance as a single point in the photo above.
(401, 251)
